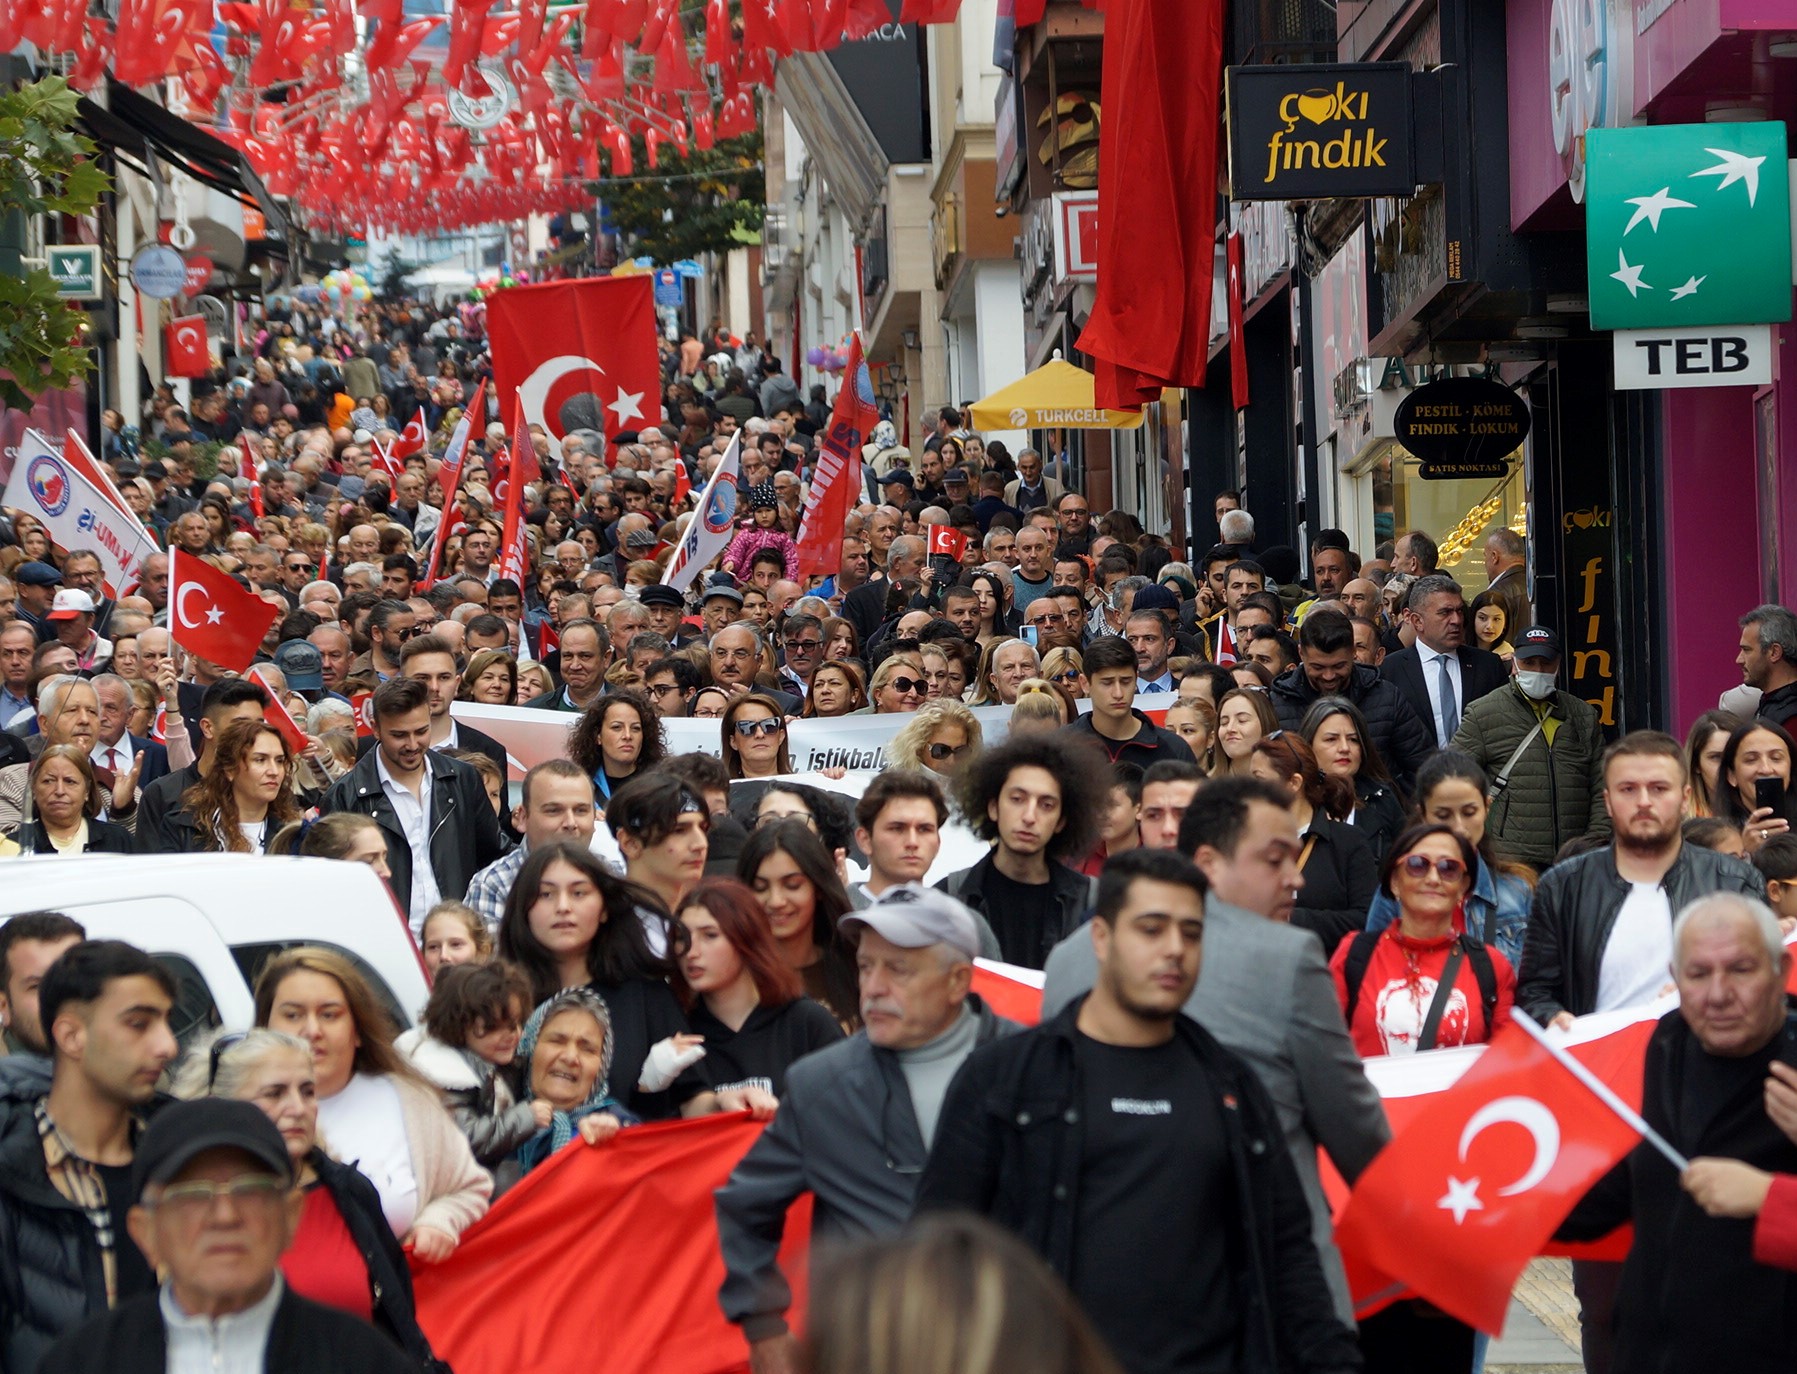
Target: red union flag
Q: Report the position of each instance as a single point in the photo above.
(212, 616)
(831, 497)
(947, 542)
(580, 354)
(1474, 1186)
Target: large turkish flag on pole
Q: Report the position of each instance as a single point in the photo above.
(212, 616)
(1472, 1189)
(833, 481)
(579, 354)
(1157, 198)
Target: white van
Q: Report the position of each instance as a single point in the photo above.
(213, 920)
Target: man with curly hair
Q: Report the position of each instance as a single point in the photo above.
(1038, 799)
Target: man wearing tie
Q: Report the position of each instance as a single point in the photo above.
(1441, 675)
(115, 748)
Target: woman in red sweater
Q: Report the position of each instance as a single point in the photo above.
(1390, 981)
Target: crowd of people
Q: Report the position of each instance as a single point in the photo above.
(1366, 818)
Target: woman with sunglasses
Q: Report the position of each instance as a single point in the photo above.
(754, 738)
(943, 737)
(1420, 984)
(1066, 668)
(836, 690)
(899, 685)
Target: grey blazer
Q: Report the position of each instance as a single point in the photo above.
(1265, 992)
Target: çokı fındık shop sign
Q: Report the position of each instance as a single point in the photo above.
(1321, 130)
(1462, 427)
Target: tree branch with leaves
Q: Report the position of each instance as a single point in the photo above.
(710, 201)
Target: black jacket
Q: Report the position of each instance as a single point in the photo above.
(1692, 1296)
(1151, 744)
(1379, 815)
(306, 1338)
(1779, 705)
(769, 1043)
(1073, 894)
(1480, 672)
(1402, 738)
(389, 1278)
(465, 835)
(164, 824)
(1009, 1143)
(1340, 878)
(103, 837)
(50, 1266)
(1575, 908)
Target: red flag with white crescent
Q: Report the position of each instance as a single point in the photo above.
(414, 437)
(209, 614)
(513, 551)
(830, 499)
(277, 714)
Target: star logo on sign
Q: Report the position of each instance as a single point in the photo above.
(627, 406)
(1689, 288)
(1650, 208)
(1735, 167)
(1630, 276)
(1461, 1198)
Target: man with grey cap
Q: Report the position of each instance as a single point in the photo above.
(222, 1304)
(855, 1126)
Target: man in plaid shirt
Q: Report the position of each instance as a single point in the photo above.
(558, 808)
(66, 1145)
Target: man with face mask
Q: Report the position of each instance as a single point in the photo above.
(1542, 749)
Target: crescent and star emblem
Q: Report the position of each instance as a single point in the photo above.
(212, 613)
(1463, 1196)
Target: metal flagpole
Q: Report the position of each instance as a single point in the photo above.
(1604, 1092)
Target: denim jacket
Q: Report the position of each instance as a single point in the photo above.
(1497, 911)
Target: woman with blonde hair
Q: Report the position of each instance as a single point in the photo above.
(898, 684)
(1066, 668)
(1040, 706)
(942, 736)
(533, 682)
(372, 1105)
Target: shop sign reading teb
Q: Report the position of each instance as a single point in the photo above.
(1317, 131)
(1462, 427)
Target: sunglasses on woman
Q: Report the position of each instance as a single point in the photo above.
(1071, 675)
(907, 685)
(940, 752)
(1418, 865)
(748, 729)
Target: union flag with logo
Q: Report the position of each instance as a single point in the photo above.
(579, 354)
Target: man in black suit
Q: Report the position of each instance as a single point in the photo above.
(1506, 569)
(865, 607)
(1441, 675)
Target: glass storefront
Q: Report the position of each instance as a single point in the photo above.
(1458, 514)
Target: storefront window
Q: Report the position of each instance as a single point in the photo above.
(1458, 515)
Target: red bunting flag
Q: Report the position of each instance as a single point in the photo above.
(209, 614)
(631, 1219)
(1473, 1188)
(830, 499)
(277, 715)
(185, 347)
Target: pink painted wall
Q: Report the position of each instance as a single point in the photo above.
(1711, 545)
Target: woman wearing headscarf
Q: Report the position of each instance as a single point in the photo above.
(566, 1052)
(762, 532)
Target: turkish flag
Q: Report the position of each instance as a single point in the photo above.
(247, 470)
(277, 715)
(1157, 214)
(212, 616)
(832, 495)
(413, 438)
(632, 1219)
(1475, 1185)
(185, 348)
(514, 554)
(683, 482)
(363, 705)
(947, 542)
(385, 461)
(580, 354)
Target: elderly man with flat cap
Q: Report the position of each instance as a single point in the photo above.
(216, 1207)
(855, 1126)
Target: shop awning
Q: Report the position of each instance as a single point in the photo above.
(135, 128)
(1056, 395)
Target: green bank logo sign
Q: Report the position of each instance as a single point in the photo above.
(1307, 132)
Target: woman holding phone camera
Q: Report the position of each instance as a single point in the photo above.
(1753, 782)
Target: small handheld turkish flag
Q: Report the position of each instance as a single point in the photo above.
(413, 437)
(212, 616)
(247, 470)
(277, 715)
(947, 542)
(185, 347)
(1470, 1191)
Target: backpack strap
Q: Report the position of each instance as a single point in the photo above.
(1354, 967)
(1479, 956)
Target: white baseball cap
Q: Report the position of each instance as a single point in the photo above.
(69, 603)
